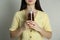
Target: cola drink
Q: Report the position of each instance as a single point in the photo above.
(30, 16)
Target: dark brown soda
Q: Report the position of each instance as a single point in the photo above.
(31, 16)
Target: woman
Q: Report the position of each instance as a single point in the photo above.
(27, 29)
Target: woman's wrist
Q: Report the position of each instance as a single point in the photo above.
(39, 30)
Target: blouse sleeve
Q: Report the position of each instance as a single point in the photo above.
(47, 25)
(15, 22)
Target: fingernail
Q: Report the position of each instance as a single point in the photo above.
(27, 23)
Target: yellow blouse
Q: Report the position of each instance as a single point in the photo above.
(41, 19)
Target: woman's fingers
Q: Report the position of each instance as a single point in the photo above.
(31, 25)
(30, 22)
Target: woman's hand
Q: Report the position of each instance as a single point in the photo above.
(33, 25)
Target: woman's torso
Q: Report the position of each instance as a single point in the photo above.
(28, 34)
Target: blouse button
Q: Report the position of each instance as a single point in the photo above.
(30, 30)
(30, 36)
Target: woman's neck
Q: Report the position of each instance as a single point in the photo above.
(31, 7)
